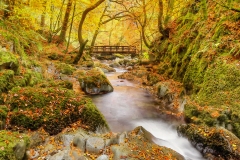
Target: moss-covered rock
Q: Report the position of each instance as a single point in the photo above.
(8, 61)
(95, 82)
(12, 145)
(104, 66)
(218, 97)
(65, 68)
(50, 108)
(211, 141)
(3, 116)
(6, 80)
(57, 83)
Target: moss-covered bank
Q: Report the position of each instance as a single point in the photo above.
(50, 108)
(202, 52)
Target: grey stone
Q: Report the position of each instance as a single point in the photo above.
(80, 141)
(32, 155)
(103, 157)
(67, 139)
(19, 150)
(94, 145)
(122, 137)
(119, 152)
(115, 65)
(58, 156)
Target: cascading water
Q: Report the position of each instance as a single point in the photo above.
(130, 106)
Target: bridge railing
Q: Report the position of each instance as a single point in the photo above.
(115, 49)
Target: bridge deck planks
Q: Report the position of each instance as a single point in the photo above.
(115, 49)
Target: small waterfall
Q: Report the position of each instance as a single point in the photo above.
(130, 106)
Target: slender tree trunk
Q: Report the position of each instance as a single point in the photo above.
(161, 28)
(97, 30)
(83, 42)
(43, 16)
(144, 25)
(65, 22)
(70, 31)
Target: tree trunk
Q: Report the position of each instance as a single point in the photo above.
(83, 42)
(161, 29)
(65, 22)
(144, 25)
(43, 16)
(97, 30)
(70, 31)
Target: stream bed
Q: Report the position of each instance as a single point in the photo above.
(130, 106)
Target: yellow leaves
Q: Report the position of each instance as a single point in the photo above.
(86, 1)
(234, 146)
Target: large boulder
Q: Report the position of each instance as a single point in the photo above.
(95, 82)
(213, 142)
(50, 108)
(138, 144)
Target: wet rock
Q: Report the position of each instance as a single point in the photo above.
(94, 145)
(115, 65)
(129, 68)
(95, 82)
(103, 157)
(19, 150)
(104, 67)
(212, 141)
(163, 90)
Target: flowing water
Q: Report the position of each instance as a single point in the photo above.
(130, 106)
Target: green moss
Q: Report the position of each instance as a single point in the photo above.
(3, 112)
(57, 83)
(92, 117)
(8, 141)
(8, 61)
(6, 79)
(50, 108)
(119, 56)
(65, 68)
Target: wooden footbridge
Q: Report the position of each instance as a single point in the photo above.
(114, 49)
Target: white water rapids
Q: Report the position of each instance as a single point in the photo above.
(130, 106)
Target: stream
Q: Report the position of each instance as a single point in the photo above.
(130, 106)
